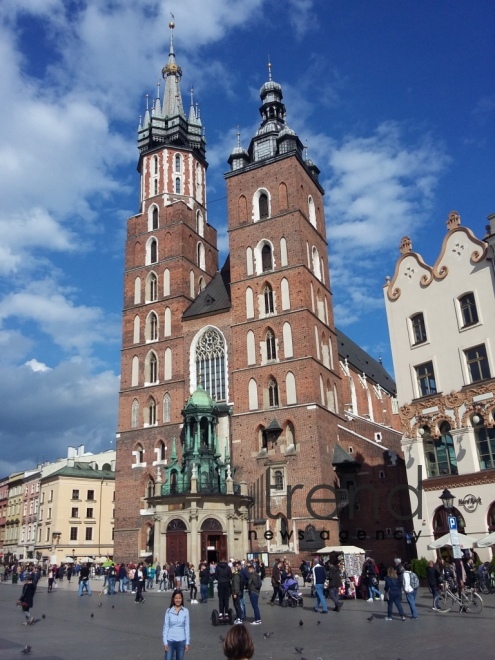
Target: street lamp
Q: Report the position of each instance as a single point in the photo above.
(447, 499)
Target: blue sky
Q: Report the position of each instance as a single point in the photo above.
(395, 101)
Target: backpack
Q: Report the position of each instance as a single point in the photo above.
(414, 580)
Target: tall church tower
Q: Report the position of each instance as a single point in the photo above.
(285, 369)
(171, 255)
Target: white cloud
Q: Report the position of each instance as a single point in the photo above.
(37, 366)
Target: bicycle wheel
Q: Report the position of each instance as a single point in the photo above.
(472, 602)
(443, 603)
(483, 586)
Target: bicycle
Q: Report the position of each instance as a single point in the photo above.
(468, 601)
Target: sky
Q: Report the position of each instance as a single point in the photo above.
(394, 100)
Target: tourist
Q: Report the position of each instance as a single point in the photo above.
(140, 583)
(409, 580)
(393, 588)
(204, 581)
(319, 577)
(236, 589)
(176, 632)
(238, 644)
(84, 580)
(193, 589)
(26, 599)
(223, 576)
(254, 587)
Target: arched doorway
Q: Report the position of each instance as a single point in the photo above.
(176, 541)
(213, 541)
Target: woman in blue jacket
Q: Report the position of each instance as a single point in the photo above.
(393, 588)
(176, 633)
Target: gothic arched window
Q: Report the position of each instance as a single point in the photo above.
(134, 414)
(177, 185)
(266, 258)
(167, 407)
(268, 296)
(152, 368)
(153, 252)
(210, 364)
(154, 223)
(177, 163)
(263, 205)
(273, 394)
(152, 412)
(152, 327)
(271, 346)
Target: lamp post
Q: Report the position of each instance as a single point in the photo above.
(448, 504)
(447, 500)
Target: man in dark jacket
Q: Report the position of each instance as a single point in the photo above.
(276, 582)
(236, 590)
(223, 576)
(334, 583)
(319, 576)
(204, 581)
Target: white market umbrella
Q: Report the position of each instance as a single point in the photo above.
(346, 549)
(68, 560)
(100, 560)
(86, 560)
(486, 541)
(464, 542)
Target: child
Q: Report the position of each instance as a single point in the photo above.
(26, 600)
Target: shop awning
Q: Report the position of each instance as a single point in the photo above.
(464, 541)
(346, 549)
(486, 541)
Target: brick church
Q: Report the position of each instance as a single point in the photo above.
(247, 422)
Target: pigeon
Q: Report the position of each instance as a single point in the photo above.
(222, 638)
(43, 616)
(299, 649)
(301, 622)
(267, 635)
(26, 650)
(370, 618)
(92, 615)
(318, 623)
(100, 604)
(113, 607)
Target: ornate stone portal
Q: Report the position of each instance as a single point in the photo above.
(200, 512)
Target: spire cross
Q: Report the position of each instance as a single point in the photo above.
(147, 97)
(238, 136)
(158, 90)
(269, 69)
(192, 95)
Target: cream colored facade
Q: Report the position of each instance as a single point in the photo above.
(76, 512)
(442, 328)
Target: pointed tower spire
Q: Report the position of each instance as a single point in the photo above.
(172, 73)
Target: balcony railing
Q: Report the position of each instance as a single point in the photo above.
(203, 489)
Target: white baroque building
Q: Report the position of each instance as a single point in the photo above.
(441, 321)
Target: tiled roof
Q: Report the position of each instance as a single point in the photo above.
(214, 298)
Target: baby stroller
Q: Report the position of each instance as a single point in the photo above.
(292, 597)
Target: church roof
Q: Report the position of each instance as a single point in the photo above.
(200, 399)
(214, 298)
(364, 363)
(340, 456)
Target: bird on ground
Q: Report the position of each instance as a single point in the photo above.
(318, 623)
(267, 635)
(299, 649)
(301, 622)
(113, 607)
(26, 650)
(100, 604)
(43, 616)
(92, 615)
(222, 638)
(370, 618)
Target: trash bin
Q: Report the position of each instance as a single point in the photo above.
(211, 588)
(15, 577)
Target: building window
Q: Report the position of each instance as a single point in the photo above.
(278, 479)
(426, 379)
(263, 205)
(155, 187)
(177, 185)
(167, 404)
(271, 346)
(418, 328)
(477, 363)
(154, 222)
(153, 327)
(89, 533)
(89, 513)
(485, 442)
(73, 533)
(153, 251)
(210, 364)
(266, 258)
(152, 412)
(468, 310)
(177, 163)
(153, 368)
(134, 414)
(75, 494)
(273, 394)
(439, 452)
(74, 512)
(268, 296)
(91, 495)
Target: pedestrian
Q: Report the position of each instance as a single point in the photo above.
(140, 582)
(193, 589)
(223, 576)
(276, 583)
(204, 581)
(26, 600)
(319, 577)
(51, 579)
(393, 588)
(370, 577)
(235, 588)
(433, 577)
(410, 586)
(176, 631)
(254, 587)
(84, 580)
(334, 583)
(238, 644)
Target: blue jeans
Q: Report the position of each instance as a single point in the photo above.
(320, 598)
(84, 586)
(124, 585)
(253, 597)
(411, 599)
(111, 586)
(242, 605)
(203, 588)
(373, 590)
(175, 650)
